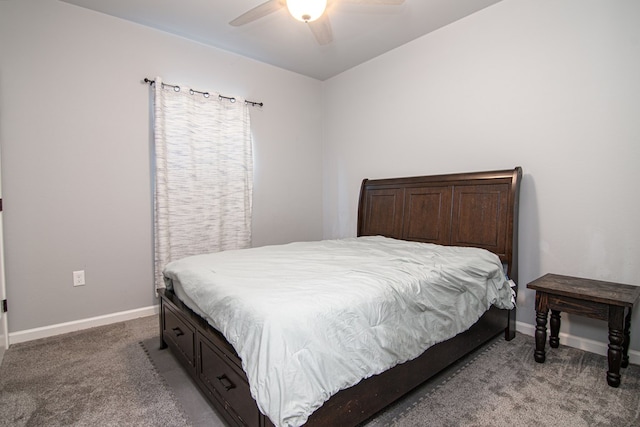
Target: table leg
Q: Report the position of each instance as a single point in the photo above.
(541, 335)
(554, 341)
(616, 341)
(627, 339)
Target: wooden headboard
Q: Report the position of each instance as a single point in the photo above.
(467, 209)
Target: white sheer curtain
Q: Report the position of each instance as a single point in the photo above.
(203, 174)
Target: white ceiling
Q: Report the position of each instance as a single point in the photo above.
(360, 32)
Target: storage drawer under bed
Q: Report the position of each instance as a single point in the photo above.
(226, 382)
(180, 335)
(212, 363)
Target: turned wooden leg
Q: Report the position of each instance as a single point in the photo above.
(554, 341)
(627, 339)
(541, 336)
(615, 357)
(616, 340)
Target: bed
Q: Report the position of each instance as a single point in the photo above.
(478, 209)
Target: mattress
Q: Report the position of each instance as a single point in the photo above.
(311, 318)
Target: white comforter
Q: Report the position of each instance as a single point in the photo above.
(309, 319)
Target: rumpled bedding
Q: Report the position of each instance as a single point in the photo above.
(311, 318)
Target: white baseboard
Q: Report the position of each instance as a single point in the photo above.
(77, 325)
(580, 343)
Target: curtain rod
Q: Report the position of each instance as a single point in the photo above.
(205, 94)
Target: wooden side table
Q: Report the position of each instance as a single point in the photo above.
(592, 298)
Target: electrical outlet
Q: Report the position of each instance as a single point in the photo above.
(78, 278)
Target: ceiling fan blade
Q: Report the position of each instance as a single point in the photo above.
(258, 12)
(376, 2)
(321, 29)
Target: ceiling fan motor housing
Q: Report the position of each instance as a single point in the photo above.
(306, 10)
(312, 12)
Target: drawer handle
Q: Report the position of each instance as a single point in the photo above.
(226, 383)
(177, 331)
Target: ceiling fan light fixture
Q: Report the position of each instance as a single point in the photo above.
(306, 10)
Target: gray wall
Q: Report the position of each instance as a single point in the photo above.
(74, 134)
(552, 86)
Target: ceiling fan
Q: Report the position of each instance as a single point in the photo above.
(312, 12)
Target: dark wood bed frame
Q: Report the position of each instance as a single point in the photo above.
(470, 209)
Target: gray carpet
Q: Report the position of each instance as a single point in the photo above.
(502, 385)
(498, 385)
(54, 382)
(99, 377)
